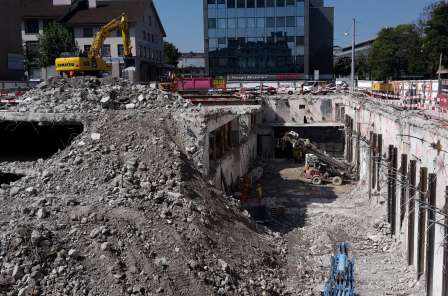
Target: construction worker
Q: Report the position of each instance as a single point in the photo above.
(245, 189)
(259, 192)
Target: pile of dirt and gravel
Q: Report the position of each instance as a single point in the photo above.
(89, 94)
(380, 268)
(123, 209)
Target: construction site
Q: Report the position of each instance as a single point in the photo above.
(116, 188)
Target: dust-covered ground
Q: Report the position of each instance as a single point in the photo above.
(322, 216)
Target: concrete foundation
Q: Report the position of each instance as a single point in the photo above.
(423, 141)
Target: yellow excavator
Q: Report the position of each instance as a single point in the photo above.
(93, 64)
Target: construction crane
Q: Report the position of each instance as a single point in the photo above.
(342, 274)
(330, 169)
(94, 64)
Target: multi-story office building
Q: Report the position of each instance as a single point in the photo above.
(264, 37)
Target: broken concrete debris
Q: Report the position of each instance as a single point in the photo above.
(93, 95)
(122, 209)
(126, 205)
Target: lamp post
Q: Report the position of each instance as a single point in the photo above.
(353, 55)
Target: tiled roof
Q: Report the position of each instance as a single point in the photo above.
(102, 14)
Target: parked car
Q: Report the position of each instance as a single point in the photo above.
(290, 90)
(309, 86)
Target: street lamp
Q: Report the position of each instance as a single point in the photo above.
(352, 76)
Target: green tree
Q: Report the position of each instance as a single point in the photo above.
(435, 27)
(55, 40)
(342, 67)
(362, 67)
(397, 53)
(172, 54)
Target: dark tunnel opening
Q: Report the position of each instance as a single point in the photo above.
(30, 141)
(7, 178)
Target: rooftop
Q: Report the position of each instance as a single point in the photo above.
(102, 14)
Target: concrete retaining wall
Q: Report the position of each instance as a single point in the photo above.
(412, 136)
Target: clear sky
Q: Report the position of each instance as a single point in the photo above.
(183, 22)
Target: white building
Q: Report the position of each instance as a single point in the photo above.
(86, 17)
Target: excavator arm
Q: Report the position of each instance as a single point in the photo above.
(120, 23)
(94, 64)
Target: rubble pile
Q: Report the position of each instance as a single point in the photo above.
(89, 94)
(123, 210)
(379, 266)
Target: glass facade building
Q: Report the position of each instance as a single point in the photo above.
(256, 36)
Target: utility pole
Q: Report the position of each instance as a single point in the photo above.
(440, 73)
(353, 55)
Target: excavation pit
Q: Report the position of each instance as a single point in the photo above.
(7, 178)
(32, 140)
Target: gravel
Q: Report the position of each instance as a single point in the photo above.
(123, 209)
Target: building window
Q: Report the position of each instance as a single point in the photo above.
(105, 50)
(241, 4)
(301, 8)
(120, 50)
(87, 32)
(144, 35)
(280, 22)
(290, 21)
(251, 22)
(231, 3)
(31, 27)
(149, 20)
(290, 2)
(222, 41)
(87, 48)
(250, 3)
(212, 23)
(260, 22)
(280, 3)
(221, 23)
(260, 3)
(270, 3)
(300, 40)
(270, 22)
(231, 23)
(211, 2)
(242, 22)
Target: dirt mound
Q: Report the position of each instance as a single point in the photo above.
(88, 94)
(124, 211)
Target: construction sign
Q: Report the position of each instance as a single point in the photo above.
(219, 83)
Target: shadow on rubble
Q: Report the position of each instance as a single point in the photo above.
(286, 198)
